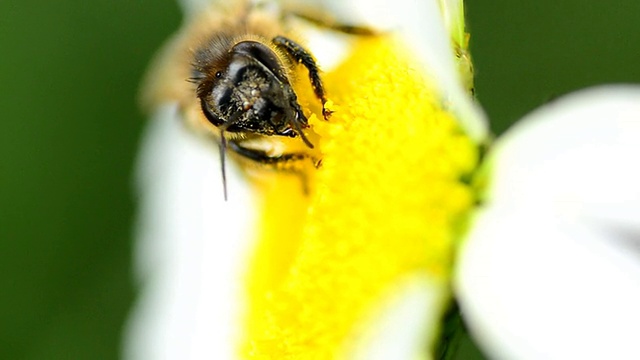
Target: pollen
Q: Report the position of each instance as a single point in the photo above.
(388, 200)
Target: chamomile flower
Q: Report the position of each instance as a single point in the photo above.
(362, 265)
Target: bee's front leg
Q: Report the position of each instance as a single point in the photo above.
(293, 163)
(302, 56)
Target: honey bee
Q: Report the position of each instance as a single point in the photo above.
(242, 63)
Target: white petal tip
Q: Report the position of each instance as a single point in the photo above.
(407, 323)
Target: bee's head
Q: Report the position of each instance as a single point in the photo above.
(246, 89)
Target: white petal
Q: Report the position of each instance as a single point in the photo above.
(191, 247)
(406, 325)
(453, 15)
(578, 155)
(191, 7)
(534, 287)
(421, 25)
(551, 267)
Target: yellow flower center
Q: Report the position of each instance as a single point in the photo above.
(389, 199)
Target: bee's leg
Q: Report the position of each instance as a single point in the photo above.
(261, 157)
(323, 20)
(290, 163)
(303, 57)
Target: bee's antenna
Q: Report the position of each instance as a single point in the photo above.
(223, 142)
(223, 151)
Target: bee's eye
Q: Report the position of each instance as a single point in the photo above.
(219, 74)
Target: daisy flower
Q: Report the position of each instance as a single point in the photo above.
(536, 234)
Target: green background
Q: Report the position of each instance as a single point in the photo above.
(69, 130)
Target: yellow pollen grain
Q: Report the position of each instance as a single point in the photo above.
(387, 201)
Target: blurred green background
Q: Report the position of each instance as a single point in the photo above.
(69, 72)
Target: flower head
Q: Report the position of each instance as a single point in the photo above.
(352, 258)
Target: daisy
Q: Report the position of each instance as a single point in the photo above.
(537, 237)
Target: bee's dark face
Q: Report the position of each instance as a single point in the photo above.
(248, 91)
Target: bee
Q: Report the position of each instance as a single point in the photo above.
(242, 64)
